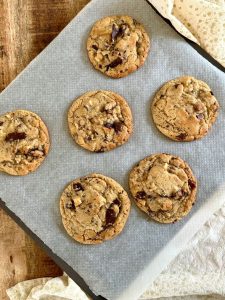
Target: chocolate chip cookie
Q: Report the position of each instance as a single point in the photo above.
(164, 187)
(100, 121)
(94, 208)
(118, 45)
(184, 109)
(24, 142)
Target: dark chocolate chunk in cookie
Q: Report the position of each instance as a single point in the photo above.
(15, 136)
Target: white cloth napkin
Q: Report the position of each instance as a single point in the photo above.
(200, 268)
(202, 21)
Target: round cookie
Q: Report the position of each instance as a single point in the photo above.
(164, 187)
(184, 109)
(24, 142)
(117, 45)
(94, 208)
(100, 121)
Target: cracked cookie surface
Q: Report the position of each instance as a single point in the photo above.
(24, 142)
(118, 45)
(164, 187)
(94, 208)
(184, 109)
(100, 121)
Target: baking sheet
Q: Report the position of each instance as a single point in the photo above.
(121, 268)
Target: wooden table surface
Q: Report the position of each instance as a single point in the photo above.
(26, 27)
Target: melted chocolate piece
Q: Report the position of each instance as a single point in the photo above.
(122, 29)
(114, 63)
(95, 47)
(70, 205)
(182, 136)
(191, 184)
(117, 126)
(1, 123)
(108, 125)
(15, 136)
(115, 32)
(77, 187)
(211, 93)
(117, 202)
(110, 217)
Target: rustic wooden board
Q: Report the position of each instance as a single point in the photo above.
(26, 27)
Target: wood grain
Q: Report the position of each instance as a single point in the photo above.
(26, 28)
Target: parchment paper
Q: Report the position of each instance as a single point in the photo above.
(124, 267)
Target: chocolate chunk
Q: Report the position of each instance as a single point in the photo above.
(176, 86)
(182, 136)
(191, 184)
(200, 116)
(117, 126)
(141, 195)
(122, 29)
(115, 32)
(117, 202)
(114, 63)
(173, 195)
(108, 125)
(95, 47)
(110, 217)
(70, 205)
(15, 136)
(1, 123)
(138, 44)
(77, 187)
(211, 93)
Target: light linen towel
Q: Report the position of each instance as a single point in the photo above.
(202, 21)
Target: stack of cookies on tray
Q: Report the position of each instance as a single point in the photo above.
(95, 208)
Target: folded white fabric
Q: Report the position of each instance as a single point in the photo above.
(202, 21)
(59, 288)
